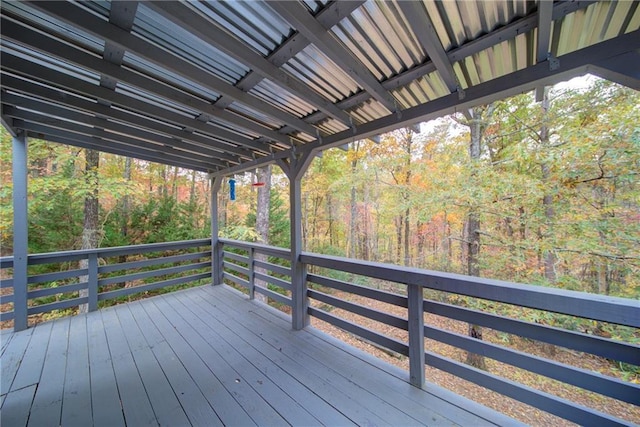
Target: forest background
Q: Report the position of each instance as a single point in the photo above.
(543, 193)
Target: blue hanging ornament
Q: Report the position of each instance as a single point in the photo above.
(232, 189)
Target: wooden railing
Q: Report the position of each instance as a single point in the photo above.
(411, 293)
(244, 268)
(147, 268)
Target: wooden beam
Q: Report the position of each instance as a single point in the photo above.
(20, 231)
(90, 23)
(184, 15)
(296, 14)
(423, 28)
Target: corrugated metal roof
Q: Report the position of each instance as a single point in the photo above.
(366, 61)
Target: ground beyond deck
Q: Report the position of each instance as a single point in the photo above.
(207, 356)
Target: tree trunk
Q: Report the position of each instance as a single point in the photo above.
(262, 223)
(354, 211)
(549, 257)
(124, 228)
(90, 226)
(476, 130)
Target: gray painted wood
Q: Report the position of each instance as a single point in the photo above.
(344, 402)
(16, 406)
(416, 336)
(397, 391)
(319, 375)
(76, 408)
(31, 365)
(198, 341)
(199, 393)
(233, 380)
(46, 409)
(5, 337)
(313, 403)
(20, 231)
(13, 354)
(135, 402)
(105, 399)
(233, 357)
(164, 402)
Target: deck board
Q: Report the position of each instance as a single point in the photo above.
(46, 409)
(105, 398)
(208, 356)
(164, 402)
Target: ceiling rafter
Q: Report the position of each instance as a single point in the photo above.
(509, 31)
(298, 16)
(428, 38)
(42, 43)
(12, 101)
(182, 14)
(61, 98)
(119, 149)
(76, 85)
(101, 137)
(109, 32)
(572, 64)
(545, 18)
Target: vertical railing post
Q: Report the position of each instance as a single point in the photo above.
(252, 276)
(294, 168)
(92, 282)
(416, 336)
(216, 247)
(20, 232)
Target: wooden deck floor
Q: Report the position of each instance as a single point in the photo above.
(207, 356)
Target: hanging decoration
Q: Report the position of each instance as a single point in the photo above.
(232, 189)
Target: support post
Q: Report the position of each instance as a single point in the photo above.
(294, 168)
(92, 282)
(20, 232)
(252, 276)
(416, 336)
(216, 247)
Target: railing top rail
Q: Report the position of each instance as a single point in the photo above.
(622, 311)
(74, 255)
(284, 252)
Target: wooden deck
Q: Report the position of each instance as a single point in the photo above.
(207, 356)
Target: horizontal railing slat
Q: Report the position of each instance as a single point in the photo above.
(599, 346)
(6, 283)
(622, 311)
(587, 380)
(388, 297)
(6, 299)
(6, 262)
(368, 334)
(6, 315)
(58, 275)
(151, 262)
(265, 249)
(547, 402)
(153, 273)
(37, 293)
(274, 268)
(378, 316)
(237, 280)
(273, 280)
(152, 286)
(75, 255)
(235, 267)
(273, 295)
(236, 257)
(58, 305)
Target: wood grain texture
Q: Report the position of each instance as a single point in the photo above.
(207, 356)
